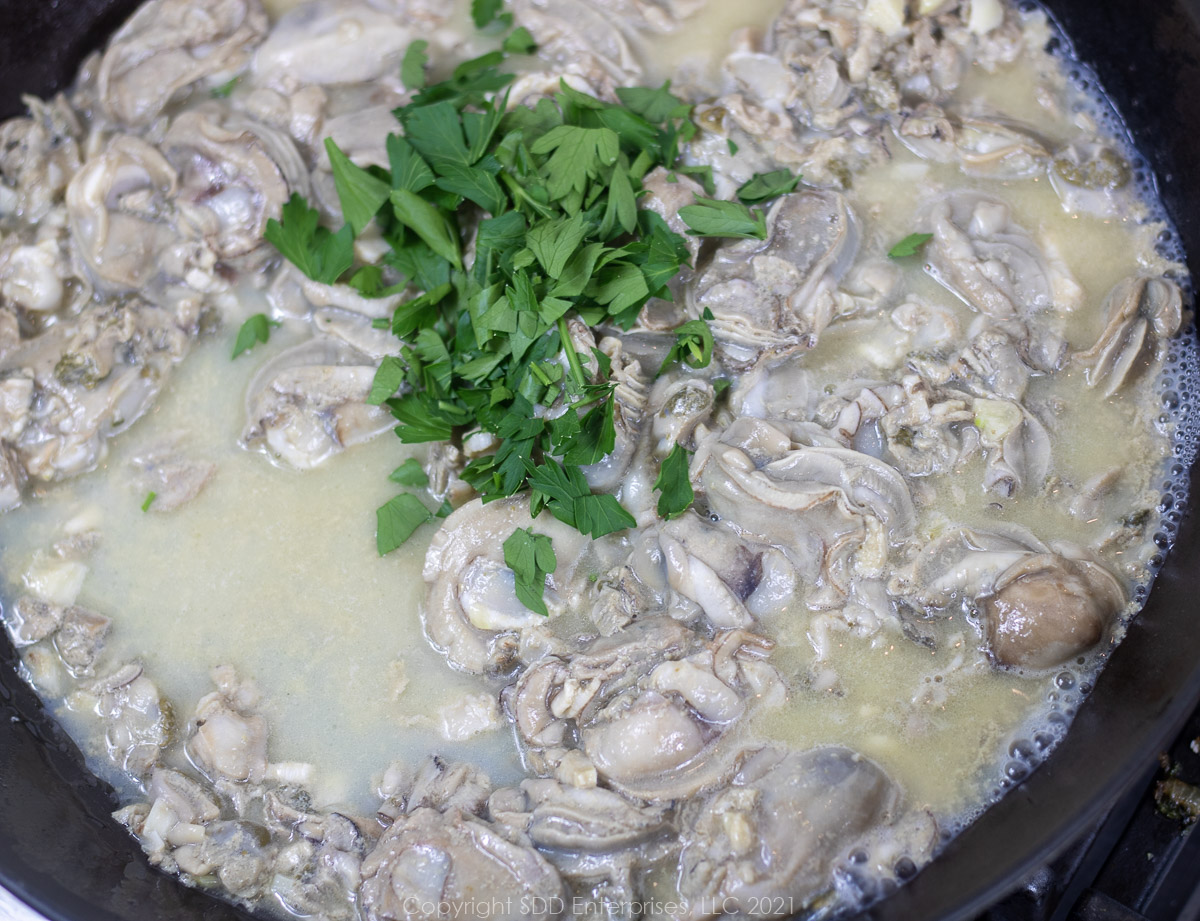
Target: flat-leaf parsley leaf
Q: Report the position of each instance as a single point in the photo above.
(909, 246)
(531, 558)
(321, 255)
(410, 473)
(765, 186)
(412, 68)
(397, 519)
(256, 329)
(714, 218)
(673, 483)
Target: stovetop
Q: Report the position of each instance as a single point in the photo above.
(1136, 864)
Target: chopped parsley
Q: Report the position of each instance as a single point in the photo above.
(225, 90)
(531, 558)
(519, 41)
(410, 473)
(255, 330)
(693, 345)
(673, 484)
(412, 68)
(713, 218)
(547, 196)
(909, 246)
(321, 255)
(765, 186)
(397, 519)
(485, 12)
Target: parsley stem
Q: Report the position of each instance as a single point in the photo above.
(519, 196)
(572, 355)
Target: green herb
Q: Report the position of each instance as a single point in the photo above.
(909, 246)
(389, 376)
(360, 193)
(485, 12)
(397, 519)
(531, 558)
(225, 89)
(550, 193)
(673, 484)
(655, 105)
(703, 175)
(321, 255)
(410, 473)
(412, 68)
(765, 186)
(149, 501)
(693, 345)
(564, 491)
(519, 41)
(255, 330)
(733, 148)
(714, 218)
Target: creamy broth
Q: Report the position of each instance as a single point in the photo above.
(273, 571)
(292, 594)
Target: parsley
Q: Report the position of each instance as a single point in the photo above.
(360, 193)
(149, 501)
(412, 68)
(693, 345)
(674, 484)
(765, 186)
(733, 148)
(909, 246)
(712, 218)
(321, 255)
(485, 12)
(654, 105)
(410, 473)
(428, 223)
(564, 491)
(531, 558)
(388, 378)
(519, 41)
(397, 519)
(515, 227)
(225, 89)
(578, 155)
(255, 330)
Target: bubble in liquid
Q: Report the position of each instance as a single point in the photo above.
(1016, 770)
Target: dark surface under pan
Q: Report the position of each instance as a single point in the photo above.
(61, 853)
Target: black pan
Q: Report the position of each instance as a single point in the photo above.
(61, 853)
